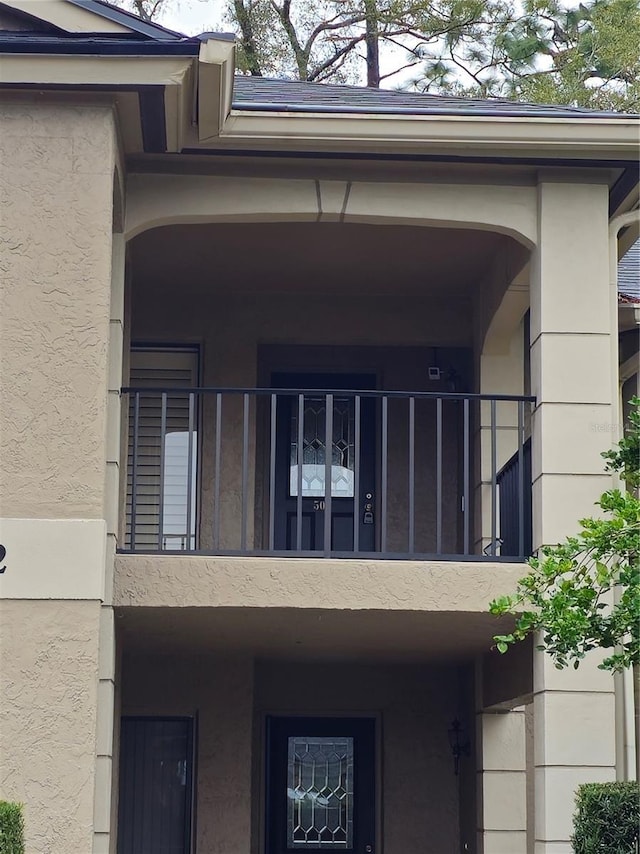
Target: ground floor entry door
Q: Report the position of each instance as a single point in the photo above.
(302, 446)
(320, 785)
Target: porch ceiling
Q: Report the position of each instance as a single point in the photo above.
(314, 258)
(309, 634)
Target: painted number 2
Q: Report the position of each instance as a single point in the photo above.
(3, 554)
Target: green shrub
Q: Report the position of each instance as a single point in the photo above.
(11, 829)
(608, 819)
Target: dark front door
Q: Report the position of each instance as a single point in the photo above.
(352, 449)
(156, 785)
(320, 785)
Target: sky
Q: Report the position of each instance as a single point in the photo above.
(192, 17)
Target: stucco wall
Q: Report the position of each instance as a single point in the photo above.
(414, 705)
(57, 164)
(55, 223)
(220, 691)
(261, 582)
(48, 691)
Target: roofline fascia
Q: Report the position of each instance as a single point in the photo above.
(609, 140)
(97, 46)
(604, 138)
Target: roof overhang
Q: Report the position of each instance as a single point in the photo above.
(50, 63)
(175, 94)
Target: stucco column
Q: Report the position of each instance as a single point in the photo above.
(56, 222)
(572, 323)
(500, 746)
(107, 722)
(501, 372)
(502, 782)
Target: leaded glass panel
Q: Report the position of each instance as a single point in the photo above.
(314, 449)
(320, 793)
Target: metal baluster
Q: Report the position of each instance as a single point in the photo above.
(356, 478)
(521, 478)
(494, 479)
(412, 475)
(272, 474)
(465, 496)
(218, 473)
(439, 475)
(300, 464)
(190, 470)
(134, 470)
(163, 438)
(384, 474)
(328, 462)
(245, 471)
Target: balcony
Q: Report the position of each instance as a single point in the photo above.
(243, 471)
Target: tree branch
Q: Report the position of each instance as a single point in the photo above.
(243, 17)
(349, 46)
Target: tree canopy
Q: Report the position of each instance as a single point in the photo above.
(584, 594)
(539, 50)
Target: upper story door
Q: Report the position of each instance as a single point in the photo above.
(302, 437)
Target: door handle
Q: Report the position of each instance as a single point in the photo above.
(368, 849)
(367, 517)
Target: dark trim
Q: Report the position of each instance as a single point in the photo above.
(418, 557)
(194, 783)
(623, 186)
(96, 46)
(77, 87)
(217, 36)
(157, 717)
(153, 119)
(409, 158)
(340, 392)
(162, 346)
(127, 19)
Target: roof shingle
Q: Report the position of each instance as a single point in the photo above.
(263, 93)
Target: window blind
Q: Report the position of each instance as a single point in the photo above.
(164, 516)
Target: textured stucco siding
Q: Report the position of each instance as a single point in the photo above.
(196, 581)
(56, 180)
(48, 691)
(57, 164)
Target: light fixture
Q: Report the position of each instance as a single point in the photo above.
(459, 743)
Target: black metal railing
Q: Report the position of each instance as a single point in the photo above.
(245, 471)
(514, 480)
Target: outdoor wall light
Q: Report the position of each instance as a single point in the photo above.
(459, 743)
